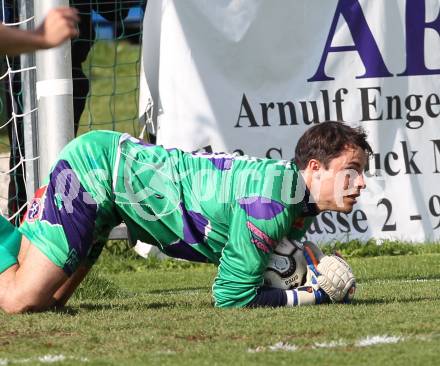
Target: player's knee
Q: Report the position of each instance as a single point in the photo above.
(16, 304)
(11, 306)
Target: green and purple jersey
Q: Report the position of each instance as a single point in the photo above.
(226, 209)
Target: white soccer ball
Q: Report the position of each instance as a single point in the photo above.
(287, 268)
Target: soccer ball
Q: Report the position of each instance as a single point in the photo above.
(287, 268)
(348, 298)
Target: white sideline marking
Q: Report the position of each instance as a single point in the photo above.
(279, 346)
(368, 341)
(51, 358)
(374, 340)
(332, 344)
(403, 281)
(42, 359)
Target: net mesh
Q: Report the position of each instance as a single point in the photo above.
(105, 70)
(12, 112)
(105, 65)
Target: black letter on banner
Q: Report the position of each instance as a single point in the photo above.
(327, 220)
(409, 162)
(314, 227)
(359, 216)
(269, 153)
(282, 111)
(248, 113)
(306, 118)
(265, 112)
(365, 102)
(387, 165)
(342, 219)
(430, 103)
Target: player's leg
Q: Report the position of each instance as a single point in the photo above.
(30, 285)
(14, 247)
(63, 294)
(66, 290)
(62, 222)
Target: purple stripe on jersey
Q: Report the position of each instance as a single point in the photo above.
(222, 163)
(183, 250)
(261, 207)
(194, 225)
(64, 205)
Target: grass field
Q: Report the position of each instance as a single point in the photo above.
(138, 312)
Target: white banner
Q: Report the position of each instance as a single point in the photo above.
(252, 75)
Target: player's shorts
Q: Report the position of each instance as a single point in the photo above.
(71, 216)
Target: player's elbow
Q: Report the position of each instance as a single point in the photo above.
(228, 302)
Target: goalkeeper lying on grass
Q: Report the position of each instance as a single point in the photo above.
(226, 209)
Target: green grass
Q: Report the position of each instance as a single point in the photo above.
(137, 312)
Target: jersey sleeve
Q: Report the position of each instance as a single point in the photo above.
(256, 227)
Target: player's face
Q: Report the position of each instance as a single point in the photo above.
(337, 187)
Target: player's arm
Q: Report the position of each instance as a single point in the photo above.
(58, 26)
(300, 296)
(329, 279)
(255, 230)
(63, 294)
(308, 294)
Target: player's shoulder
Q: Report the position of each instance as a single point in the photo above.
(97, 138)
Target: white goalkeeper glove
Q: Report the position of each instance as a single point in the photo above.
(336, 278)
(329, 273)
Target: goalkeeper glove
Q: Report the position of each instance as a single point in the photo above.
(329, 273)
(336, 278)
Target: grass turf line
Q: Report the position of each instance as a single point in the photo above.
(145, 312)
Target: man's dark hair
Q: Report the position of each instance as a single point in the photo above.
(327, 141)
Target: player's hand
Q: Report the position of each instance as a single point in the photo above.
(336, 278)
(59, 25)
(332, 274)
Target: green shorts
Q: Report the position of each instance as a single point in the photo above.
(71, 216)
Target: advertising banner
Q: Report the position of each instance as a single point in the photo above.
(250, 76)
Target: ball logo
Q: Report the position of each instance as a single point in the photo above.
(34, 210)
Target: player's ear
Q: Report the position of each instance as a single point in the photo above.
(313, 165)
